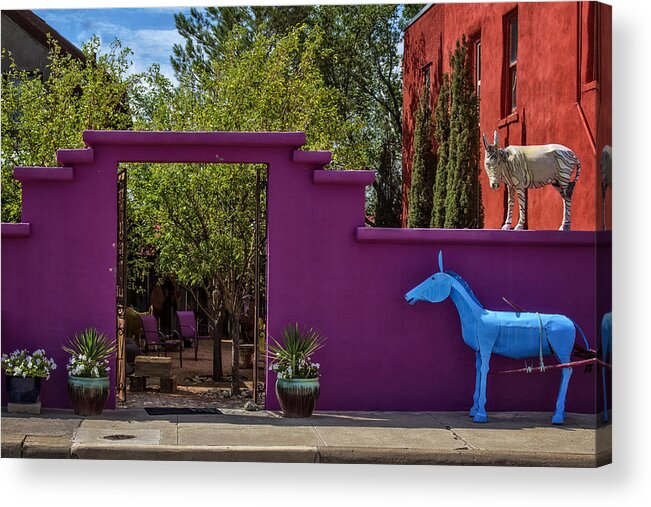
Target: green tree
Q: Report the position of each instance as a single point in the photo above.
(423, 169)
(360, 58)
(41, 116)
(385, 202)
(463, 203)
(442, 135)
(200, 219)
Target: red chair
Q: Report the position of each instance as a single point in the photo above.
(155, 339)
(188, 327)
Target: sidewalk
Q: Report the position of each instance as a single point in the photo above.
(441, 438)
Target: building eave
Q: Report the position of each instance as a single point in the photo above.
(418, 15)
(38, 29)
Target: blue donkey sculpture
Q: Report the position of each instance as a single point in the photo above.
(518, 335)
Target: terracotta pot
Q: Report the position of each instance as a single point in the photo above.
(88, 395)
(297, 397)
(23, 389)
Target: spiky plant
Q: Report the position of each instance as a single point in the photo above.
(92, 344)
(292, 358)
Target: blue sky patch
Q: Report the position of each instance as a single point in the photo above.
(149, 33)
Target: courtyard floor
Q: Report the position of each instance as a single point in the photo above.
(195, 386)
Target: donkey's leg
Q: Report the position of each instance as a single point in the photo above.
(522, 208)
(475, 398)
(559, 413)
(509, 209)
(567, 202)
(567, 205)
(603, 383)
(480, 416)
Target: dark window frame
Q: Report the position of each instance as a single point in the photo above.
(593, 67)
(427, 79)
(511, 43)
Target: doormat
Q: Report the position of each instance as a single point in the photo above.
(181, 411)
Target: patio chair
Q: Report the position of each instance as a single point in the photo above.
(155, 339)
(188, 327)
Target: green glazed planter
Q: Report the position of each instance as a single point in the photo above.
(298, 396)
(88, 395)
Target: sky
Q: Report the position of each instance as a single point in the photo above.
(150, 33)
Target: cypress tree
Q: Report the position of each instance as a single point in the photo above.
(387, 186)
(442, 134)
(423, 167)
(463, 204)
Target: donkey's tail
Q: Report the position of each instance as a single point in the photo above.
(567, 161)
(585, 340)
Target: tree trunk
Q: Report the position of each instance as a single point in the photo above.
(235, 360)
(217, 370)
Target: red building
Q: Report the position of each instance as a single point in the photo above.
(543, 75)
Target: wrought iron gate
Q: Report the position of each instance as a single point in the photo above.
(121, 288)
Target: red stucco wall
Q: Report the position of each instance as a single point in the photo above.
(556, 100)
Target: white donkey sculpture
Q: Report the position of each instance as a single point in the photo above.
(522, 167)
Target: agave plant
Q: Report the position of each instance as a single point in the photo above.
(89, 351)
(293, 357)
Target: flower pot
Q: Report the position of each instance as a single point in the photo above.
(23, 389)
(88, 395)
(297, 397)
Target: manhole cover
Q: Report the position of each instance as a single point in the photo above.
(119, 437)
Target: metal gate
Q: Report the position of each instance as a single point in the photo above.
(121, 288)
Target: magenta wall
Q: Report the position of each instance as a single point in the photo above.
(327, 270)
(324, 270)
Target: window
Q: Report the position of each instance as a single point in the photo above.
(511, 52)
(592, 67)
(478, 68)
(427, 79)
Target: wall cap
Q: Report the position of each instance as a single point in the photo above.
(19, 230)
(140, 138)
(493, 237)
(363, 178)
(75, 156)
(26, 174)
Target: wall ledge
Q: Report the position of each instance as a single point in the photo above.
(164, 138)
(320, 158)
(19, 230)
(62, 174)
(75, 156)
(363, 178)
(495, 237)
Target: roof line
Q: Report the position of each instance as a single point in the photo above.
(418, 15)
(38, 29)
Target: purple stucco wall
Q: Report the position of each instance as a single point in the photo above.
(324, 270)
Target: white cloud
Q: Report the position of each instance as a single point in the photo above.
(149, 45)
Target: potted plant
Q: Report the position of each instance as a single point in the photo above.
(88, 381)
(24, 373)
(297, 377)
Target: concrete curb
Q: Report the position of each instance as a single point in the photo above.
(470, 457)
(334, 455)
(271, 454)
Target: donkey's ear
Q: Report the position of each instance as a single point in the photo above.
(495, 138)
(483, 136)
(441, 260)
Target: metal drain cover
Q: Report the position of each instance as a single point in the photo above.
(118, 437)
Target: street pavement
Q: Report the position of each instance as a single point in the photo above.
(434, 438)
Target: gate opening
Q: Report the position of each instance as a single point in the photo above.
(191, 284)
